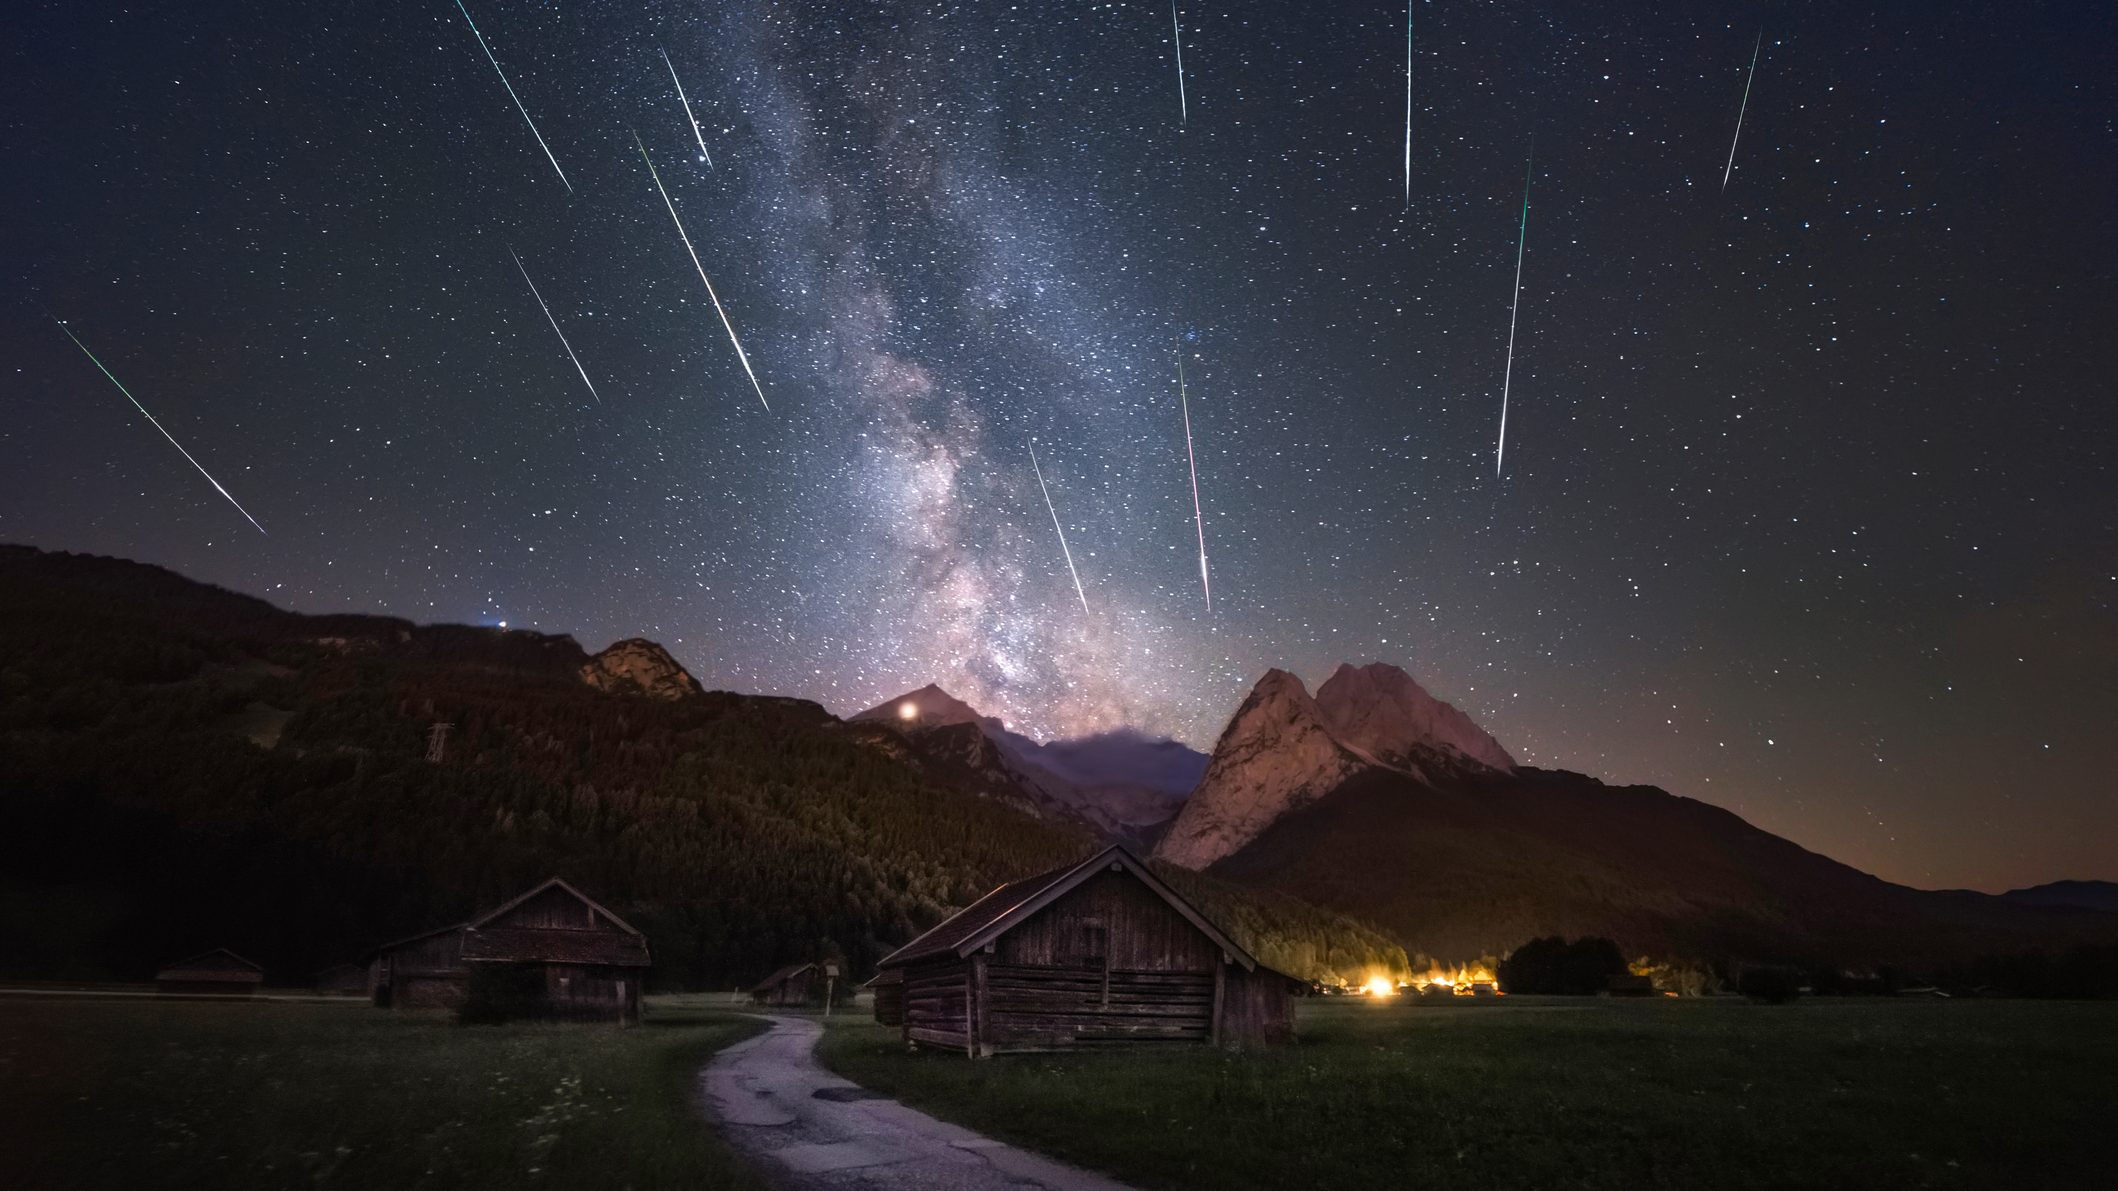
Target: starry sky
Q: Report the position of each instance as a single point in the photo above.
(1805, 507)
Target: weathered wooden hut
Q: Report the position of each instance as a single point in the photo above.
(888, 988)
(555, 952)
(424, 971)
(219, 972)
(795, 984)
(1098, 953)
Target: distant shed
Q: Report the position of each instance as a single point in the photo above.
(423, 971)
(219, 972)
(795, 984)
(1098, 953)
(343, 980)
(559, 953)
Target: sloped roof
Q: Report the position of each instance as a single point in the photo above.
(425, 934)
(217, 964)
(782, 974)
(623, 947)
(1004, 908)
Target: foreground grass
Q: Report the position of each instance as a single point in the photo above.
(1587, 1095)
(232, 1095)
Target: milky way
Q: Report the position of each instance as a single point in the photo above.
(1806, 508)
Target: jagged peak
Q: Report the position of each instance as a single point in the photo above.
(928, 707)
(639, 666)
(1380, 710)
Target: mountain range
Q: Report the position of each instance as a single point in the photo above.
(185, 767)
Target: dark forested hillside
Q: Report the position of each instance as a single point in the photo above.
(182, 767)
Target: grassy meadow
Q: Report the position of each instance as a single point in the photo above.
(232, 1095)
(1559, 1094)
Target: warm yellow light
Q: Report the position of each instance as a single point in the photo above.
(908, 710)
(1380, 986)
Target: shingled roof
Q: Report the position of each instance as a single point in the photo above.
(1004, 908)
(219, 964)
(781, 975)
(483, 941)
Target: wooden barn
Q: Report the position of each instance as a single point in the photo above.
(888, 988)
(425, 971)
(1094, 954)
(555, 952)
(795, 984)
(219, 972)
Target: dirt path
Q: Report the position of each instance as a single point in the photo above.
(812, 1129)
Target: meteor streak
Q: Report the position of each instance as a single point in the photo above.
(158, 426)
(556, 331)
(740, 354)
(687, 109)
(1062, 532)
(1408, 105)
(511, 94)
(1737, 139)
(1198, 517)
(1500, 450)
(1183, 106)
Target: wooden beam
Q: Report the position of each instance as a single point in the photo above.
(1220, 1001)
(977, 992)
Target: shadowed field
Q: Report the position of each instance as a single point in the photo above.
(1588, 1094)
(233, 1095)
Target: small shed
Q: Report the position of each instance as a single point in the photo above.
(423, 971)
(343, 980)
(889, 989)
(1098, 953)
(219, 972)
(795, 984)
(556, 952)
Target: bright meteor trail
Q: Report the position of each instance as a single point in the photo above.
(511, 94)
(1737, 139)
(740, 354)
(1198, 517)
(1501, 449)
(1062, 531)
(694, 120)
(1408, 105)
(158, 426)
(556, 331)
(1183, 105)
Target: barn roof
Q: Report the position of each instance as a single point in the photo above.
(623, 947)
(217, 964)
(425, 934)
(783, 974)
(1004, 908)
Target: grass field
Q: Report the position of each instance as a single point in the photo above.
(1591, 1094)
(234, 1095)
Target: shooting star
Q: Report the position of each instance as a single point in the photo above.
(1522, 237)
(158, 426)
(740, 354)
(556, 331)
(1062, 532)
(1737, 139)
(1408, 105)
(1183, 105)
(1198, 517)
(511, 94)
(695, 131)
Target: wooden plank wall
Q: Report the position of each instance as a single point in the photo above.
(552, 909)
(937, 1009)
(1110, 916)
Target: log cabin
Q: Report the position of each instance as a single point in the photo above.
(219, 972)
(795, 984)
(888, 987)
(423, 971)
(1098, 953)
(555, 952)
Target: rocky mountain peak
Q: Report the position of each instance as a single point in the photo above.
(1277, 754)
(637, 666)
(1380, 710)
(927, 707)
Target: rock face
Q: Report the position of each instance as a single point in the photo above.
(637, 666)
(1284, 750)
(927, 707)
(1275, 756)
(1379, 710)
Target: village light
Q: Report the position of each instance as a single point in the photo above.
(1380, 986)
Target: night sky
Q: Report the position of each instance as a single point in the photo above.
(1806, 507)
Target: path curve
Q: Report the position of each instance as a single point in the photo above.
(778, 1106)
